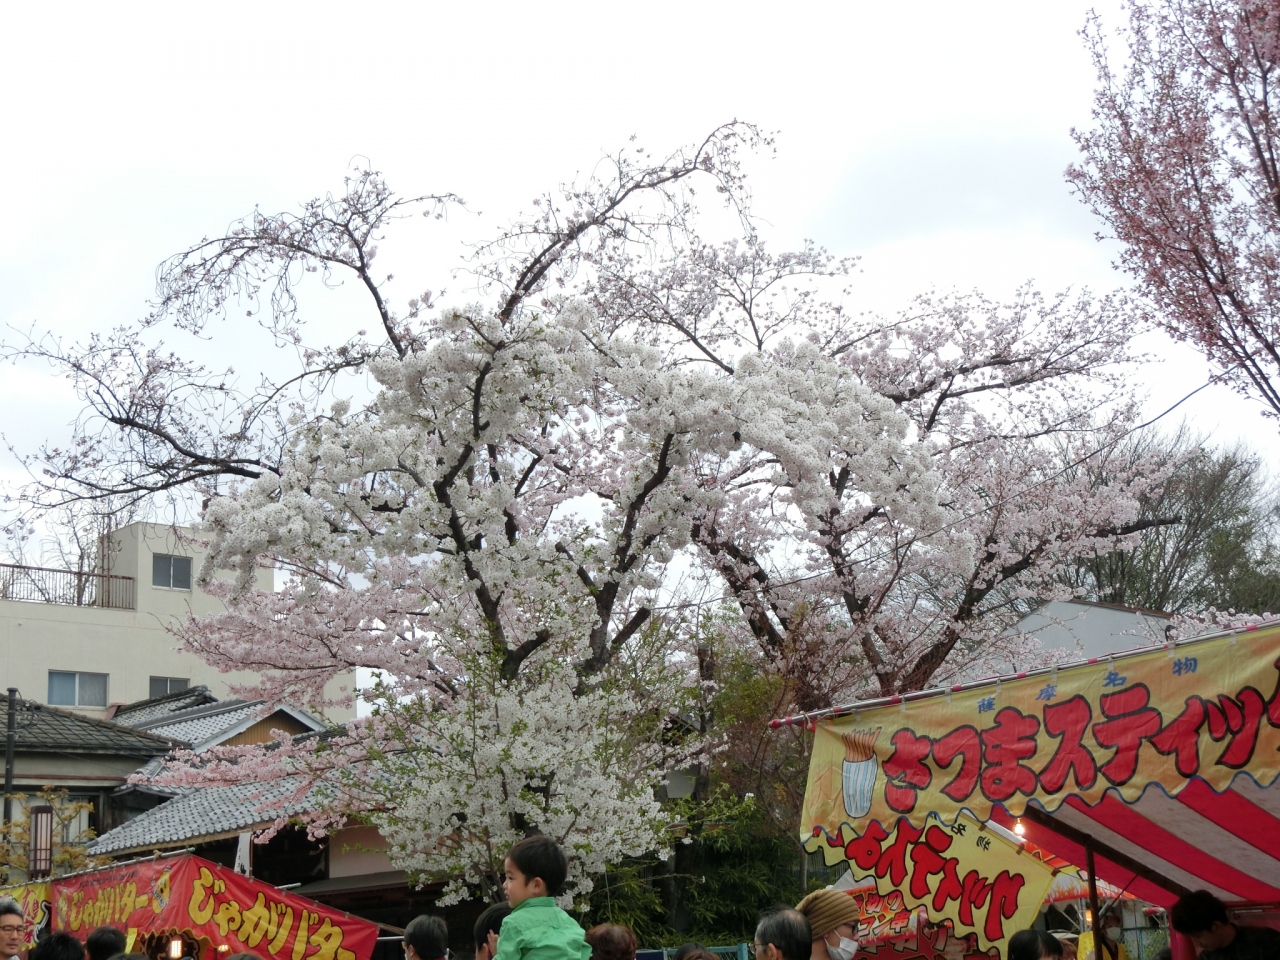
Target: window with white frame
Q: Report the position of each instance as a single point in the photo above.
(71, 689)
(170, 572)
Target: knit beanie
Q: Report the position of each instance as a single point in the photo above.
(828, 909)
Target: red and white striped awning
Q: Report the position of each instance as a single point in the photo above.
(1227, 843)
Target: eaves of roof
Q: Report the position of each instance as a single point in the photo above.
(202, 815)
(44, 728)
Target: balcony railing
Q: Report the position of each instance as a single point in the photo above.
(69, 587)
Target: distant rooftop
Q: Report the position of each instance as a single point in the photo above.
(201, 815)
(199, 723)
(41, 727)
(195, 719)
(1086, 628)
(141, 712)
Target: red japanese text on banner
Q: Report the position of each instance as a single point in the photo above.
(1207, 709)
(216, 905)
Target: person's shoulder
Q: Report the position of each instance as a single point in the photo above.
(517, 919)
(552, 916)
(562, 912)
(536, 912)
(1249, 942)
(542, 907)
(1263, 935)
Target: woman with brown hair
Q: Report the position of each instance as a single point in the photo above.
(611, 941)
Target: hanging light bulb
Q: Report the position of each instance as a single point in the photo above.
(1018, 828)
(175, 948)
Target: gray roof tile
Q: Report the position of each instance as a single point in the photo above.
(141, 711)
(200, 723)
(202, 813)
(41, 727)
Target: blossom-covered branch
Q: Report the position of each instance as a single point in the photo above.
(1183, 165)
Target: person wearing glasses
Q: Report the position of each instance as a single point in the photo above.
(782, 934)
(13, 927)
(833, 918)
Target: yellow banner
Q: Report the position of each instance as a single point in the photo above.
(36, 899)
(1208, 709)
(987, 887)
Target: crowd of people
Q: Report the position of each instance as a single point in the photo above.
(823, 926)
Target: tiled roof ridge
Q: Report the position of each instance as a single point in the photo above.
(199, 712)
(119, 729)
(197, 690)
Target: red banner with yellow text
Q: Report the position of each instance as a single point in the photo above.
(220, 909)
(1204, 709)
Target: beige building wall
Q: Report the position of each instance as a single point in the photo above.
(83, 772)
(129, 646)
(354, 851)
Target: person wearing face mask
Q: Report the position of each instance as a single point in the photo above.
(833, 917)
(1112, 949)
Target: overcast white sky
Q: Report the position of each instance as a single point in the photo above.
(931, 143)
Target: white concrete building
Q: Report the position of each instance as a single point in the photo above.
(85, 641)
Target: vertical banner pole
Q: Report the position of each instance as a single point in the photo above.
(1100, 947)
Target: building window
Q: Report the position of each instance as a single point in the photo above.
(162, 686)
(68, 689)
(170, 572)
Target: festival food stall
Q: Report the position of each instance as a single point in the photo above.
(185, 906)
(1154, 769)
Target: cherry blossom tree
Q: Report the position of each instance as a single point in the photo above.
(896, 578)
(495, 525)
(1182, 165)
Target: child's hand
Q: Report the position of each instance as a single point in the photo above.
(493, 944)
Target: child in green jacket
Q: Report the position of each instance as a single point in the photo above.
(535, 870)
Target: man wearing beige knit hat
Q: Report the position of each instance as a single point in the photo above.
(833, 917)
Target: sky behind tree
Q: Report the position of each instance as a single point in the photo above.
(930, 144)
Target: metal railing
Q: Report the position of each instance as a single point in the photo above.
(68, 587)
